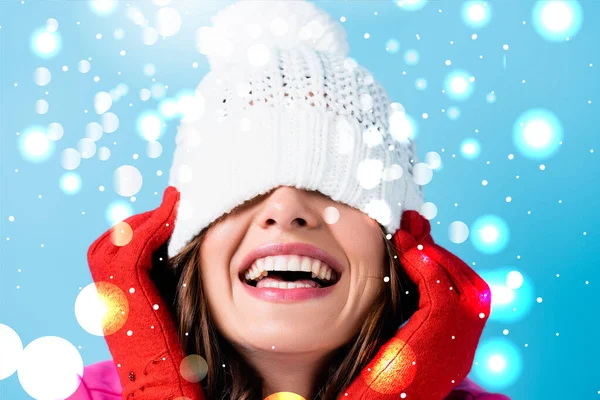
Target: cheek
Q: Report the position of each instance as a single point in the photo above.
(361, 239)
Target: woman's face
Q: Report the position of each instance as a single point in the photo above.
(288, 214)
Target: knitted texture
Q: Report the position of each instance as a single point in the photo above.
(285, 111)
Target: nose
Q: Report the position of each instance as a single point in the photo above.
(289, 208)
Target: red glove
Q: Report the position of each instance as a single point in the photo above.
(150, 358)
(434, 351)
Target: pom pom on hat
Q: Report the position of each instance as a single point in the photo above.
(251, 27)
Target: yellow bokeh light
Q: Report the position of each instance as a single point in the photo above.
(116, 306)
(284, 396)
(391, 377)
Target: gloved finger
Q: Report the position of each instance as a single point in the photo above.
(475, 288)
(431, 279)
(415, 234)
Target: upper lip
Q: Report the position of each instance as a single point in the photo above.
(298, 248)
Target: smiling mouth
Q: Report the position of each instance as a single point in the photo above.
(283, 279)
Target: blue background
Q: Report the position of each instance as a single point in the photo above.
(549, 212)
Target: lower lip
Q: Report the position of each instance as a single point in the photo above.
(287, 295)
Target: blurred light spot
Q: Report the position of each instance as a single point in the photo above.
(331, 215)
(93, 131)
(42, 76)
(429, 210)
(127, 180)
(392, 173)
(101, 308)
(119, 34)
(84, 66)
(392, 46)
(70, 159)
(158, 90)
(421, 84)
(458, 85)
(153, 149)
(50, 368)
(458, 232)
(411, 57)
(557, 20)
(369, 173)
(110, 122)
(379, 210)
(499, 364)
(35, 145)
(422, 174)
(45, 44)
(537, 134)
(11, 350)
(55, 131)
(470, 149)
(433, 159)
(453, 113)
(145, 94)
(86, 147)
(70, 183)
(402, 127)
(150, 126)
(168, 21)
(41, 106)
(284, 396)
(118, 211)
(410, 5)
(103, 153)
(490, 234)
(193, 368)
(51, 25)
(168, 108)
(149, 36)
(103, 7)
(476, 13)
(514, 279)
(102, 102)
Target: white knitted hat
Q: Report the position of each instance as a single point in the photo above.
(284, 105)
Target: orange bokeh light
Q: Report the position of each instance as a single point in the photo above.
(284, 396)
(121, 234)
(116, 305)
(394, 371)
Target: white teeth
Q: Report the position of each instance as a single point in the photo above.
(281, 264)
(322, 272)
(305, 264)
(293, 263)
(290, 285)
(260, 267)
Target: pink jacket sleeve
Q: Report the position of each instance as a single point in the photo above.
(101, 382)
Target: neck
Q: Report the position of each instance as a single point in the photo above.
(293, 372)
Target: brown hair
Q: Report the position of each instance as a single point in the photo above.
(230, 377)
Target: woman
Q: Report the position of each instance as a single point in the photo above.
(287, 255)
